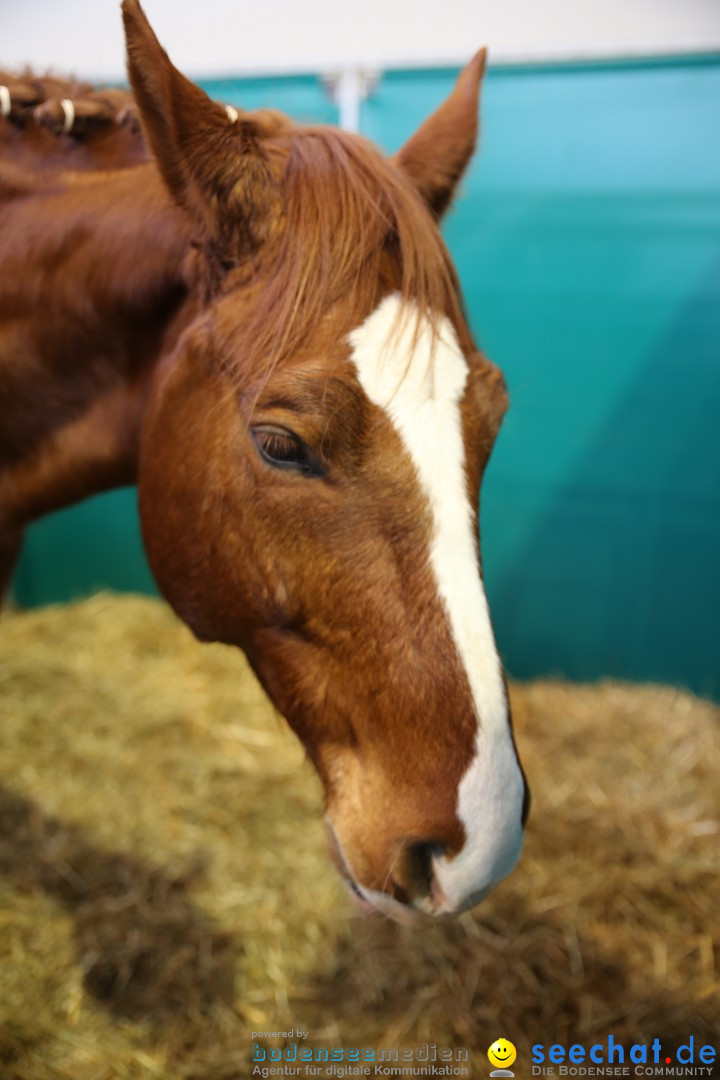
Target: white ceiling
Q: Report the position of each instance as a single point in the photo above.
(236, 37)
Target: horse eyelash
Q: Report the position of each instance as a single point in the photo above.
(274, 445)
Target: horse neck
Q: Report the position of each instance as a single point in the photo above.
(91, 292)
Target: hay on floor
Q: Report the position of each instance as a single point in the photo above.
(165, 889)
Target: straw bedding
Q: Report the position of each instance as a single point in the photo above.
(165, 891)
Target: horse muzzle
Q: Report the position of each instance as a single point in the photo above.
(412, 889)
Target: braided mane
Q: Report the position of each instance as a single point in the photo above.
(103, 133)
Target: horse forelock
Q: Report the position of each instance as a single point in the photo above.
(353, 228)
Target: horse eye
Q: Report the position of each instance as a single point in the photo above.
(284, 449)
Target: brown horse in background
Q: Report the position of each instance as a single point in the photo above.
(260, 326)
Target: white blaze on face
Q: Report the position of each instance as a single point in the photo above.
(420, 385)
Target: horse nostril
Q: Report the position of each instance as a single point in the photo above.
(419, 855)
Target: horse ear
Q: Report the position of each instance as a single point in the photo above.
(210, 158)
(435, 157)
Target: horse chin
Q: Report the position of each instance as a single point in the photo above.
(370, 902)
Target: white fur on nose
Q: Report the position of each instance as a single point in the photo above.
(420, 384)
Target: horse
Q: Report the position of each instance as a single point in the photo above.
(258, 324)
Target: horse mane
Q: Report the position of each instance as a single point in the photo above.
(28, 90)
(105, 132)
(354, 224)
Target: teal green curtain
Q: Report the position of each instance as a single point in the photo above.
(587, 237)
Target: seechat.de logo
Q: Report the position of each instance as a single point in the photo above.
(612, 1058)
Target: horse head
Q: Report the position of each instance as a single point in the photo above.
(310, 464)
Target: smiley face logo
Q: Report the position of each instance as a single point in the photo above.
(502, 1053)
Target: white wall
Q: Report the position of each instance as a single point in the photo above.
(249, 36)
